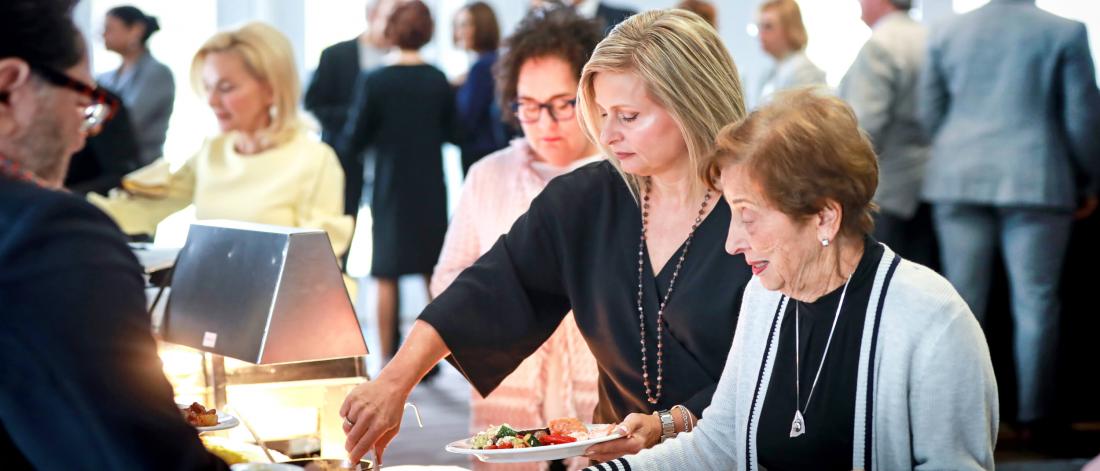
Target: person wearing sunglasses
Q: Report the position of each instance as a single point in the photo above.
(79, 370)
(538, 75)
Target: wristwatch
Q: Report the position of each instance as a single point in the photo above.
(668, 427)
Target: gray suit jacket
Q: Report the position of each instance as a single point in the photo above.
(1009, 95)
(881, 86)
(795, 70)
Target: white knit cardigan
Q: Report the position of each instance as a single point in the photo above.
(929, 402)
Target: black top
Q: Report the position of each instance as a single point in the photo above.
(402, 115)
(106, 157)
(827, 443)
(333, 85)
(328, 96)
(80, 381)
(577, 247)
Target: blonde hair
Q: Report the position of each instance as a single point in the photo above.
(790, 18)
(687, 70)
(269, 58)
(803, 149)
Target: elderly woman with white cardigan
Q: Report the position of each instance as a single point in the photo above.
(845, 356)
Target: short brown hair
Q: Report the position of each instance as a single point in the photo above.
(803, 149)
(410, 26)
(702, 8)
(486, 28)
(790, 17)
(555, 32)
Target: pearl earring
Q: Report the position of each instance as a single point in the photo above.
(824, 242)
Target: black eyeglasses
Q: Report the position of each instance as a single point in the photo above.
(103, 107)
(529, 111)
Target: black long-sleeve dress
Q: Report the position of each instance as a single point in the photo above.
(402, 115)
(577, 248)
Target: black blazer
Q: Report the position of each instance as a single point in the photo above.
(78, 364)
(330, 92)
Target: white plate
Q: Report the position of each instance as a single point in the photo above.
(225, 421)
(538, 453)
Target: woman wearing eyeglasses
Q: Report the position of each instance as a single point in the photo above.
(537, 78)
(627, 244)
(263, 167)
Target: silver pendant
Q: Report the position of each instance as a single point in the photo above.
(798, 425)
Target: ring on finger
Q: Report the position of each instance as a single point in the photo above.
(347, 420)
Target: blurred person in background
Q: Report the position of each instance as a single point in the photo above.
(607, 15)
(476, 30)
(145, 85)
(262, 167)
(538, 75)
(1008, 94)
(881, 86)
(109, 154)
(703, 8)
(401, 115)
(80, 366)
(330, 92)
(783, 37)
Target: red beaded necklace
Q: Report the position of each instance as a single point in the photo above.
(650, 397)
(13, 170)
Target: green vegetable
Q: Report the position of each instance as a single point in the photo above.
(532, 441)
(505, 431)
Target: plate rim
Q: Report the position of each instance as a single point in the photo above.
(226, 421)
(519, 452)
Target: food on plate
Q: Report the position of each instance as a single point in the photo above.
(228, 455)
(504, 436)
(199, 416)
(235, 452)
(567, 425)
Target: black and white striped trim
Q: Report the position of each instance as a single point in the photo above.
(619, 464)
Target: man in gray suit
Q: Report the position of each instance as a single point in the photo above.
(881, 86)
(1008, 94)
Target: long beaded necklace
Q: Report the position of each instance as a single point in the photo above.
(652, 399)
(12, 169)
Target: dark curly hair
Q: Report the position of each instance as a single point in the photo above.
(548, 32)
(40, 32)
(410, 26)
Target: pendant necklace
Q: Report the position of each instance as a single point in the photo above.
(798, 425)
